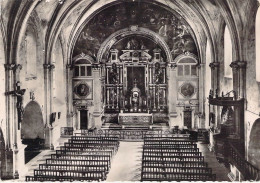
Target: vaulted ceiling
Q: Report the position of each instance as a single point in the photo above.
(65, 19)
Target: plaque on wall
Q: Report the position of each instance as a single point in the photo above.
(83, 89)
(187, 90)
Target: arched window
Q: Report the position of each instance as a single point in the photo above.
(187, 65)
(83, 66)
(31, 54)
(227, 53)
(257, 34)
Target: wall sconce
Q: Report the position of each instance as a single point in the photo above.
(32, 95)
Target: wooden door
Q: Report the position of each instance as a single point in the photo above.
(187, 118)
(83, 119)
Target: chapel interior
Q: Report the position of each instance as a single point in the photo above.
(130, 90)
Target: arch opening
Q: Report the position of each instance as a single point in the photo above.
(32, 130)
(227, 53)
(254, 145)
(257, 45)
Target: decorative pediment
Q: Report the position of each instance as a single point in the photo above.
(135, 56)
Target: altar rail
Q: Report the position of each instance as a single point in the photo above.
(249, 171)
(132, 135)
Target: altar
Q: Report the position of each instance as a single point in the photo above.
(135, 118)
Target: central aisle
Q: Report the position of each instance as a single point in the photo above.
(126, 165)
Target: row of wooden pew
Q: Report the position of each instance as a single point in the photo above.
(82, 158)
(173, 159)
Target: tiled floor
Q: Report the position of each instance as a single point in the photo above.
(219, 169)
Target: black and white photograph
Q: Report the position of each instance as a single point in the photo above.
(129, 90)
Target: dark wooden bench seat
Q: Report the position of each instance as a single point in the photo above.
(195, 170)
(165, 154)
(175, 163)
(168, 142)
(159, 149)
(71, 173)
(174, 158)
(78, 162)
(169, 176)
(90, 152)
(172, 145)
(73, 167)
(81, 157)
(61, 179)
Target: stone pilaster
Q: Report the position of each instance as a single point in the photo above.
(97, 92)
(214, 66)
(10, 143)
(48, 87)
(201, 72)
(69, 75)
(172, 93)
(235, 71)
(239, 86)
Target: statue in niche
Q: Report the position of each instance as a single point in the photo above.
(158, 74)
(135, 96)
(113, 75)
(132, 44)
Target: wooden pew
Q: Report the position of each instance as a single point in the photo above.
(175, 163)
(81, 157)
(174, 158)
(73, 167)
(78, 162)
(98, 175)
(166, 154)
(89, 152)
(194, 170)
(169, 176)
(172, 145)
(162, 149)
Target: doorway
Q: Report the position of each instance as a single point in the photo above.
(83, 119)
(187, 117)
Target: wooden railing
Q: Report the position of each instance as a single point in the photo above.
(249, 171)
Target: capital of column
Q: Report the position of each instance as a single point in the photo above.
(172, 66)
(234, 65)
(214, 65)
(49, 66)
(10, 66)
(18, 67)
(242, 64)
(69, 66)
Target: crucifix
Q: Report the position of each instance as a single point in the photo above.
(18, 92)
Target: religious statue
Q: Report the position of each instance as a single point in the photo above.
(19, 104)
(135, 96)
(158, 75)
(132, 44)
(113, 75)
